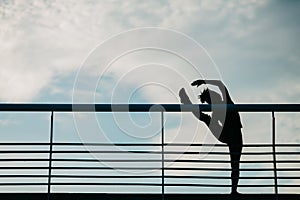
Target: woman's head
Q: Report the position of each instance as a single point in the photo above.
(210, 96)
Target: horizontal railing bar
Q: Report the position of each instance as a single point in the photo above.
(137, 177)
(144, 152)
(214, 185)
(15, 107)
(149, 160)
(224, 145)
(142, 184)
(109, 145)
(141, 144)
(149, 168)
(67, 184)
(140, 176)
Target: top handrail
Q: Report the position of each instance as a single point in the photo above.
(25, 107)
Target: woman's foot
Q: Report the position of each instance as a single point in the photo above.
(234, 192)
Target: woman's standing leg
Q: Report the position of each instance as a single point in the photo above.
(235, 149)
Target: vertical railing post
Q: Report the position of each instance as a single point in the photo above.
(162, 157)
(274, 156)
(50, 157)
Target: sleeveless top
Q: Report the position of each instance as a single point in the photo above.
(231, 125)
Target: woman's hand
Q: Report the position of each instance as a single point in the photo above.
(198, 83)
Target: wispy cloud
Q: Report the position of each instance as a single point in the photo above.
(52, 38)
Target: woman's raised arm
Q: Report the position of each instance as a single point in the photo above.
(218, 83)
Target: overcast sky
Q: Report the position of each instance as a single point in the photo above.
(254, 46)
(254, 43)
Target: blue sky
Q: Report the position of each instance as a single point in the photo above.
(44, 45)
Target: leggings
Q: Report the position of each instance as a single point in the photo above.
(235, 149)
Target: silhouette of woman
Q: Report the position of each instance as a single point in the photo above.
(226, 129)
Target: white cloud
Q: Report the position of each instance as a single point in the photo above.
(52, 38)
(43, 41)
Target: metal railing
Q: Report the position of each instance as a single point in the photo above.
(50, 152)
